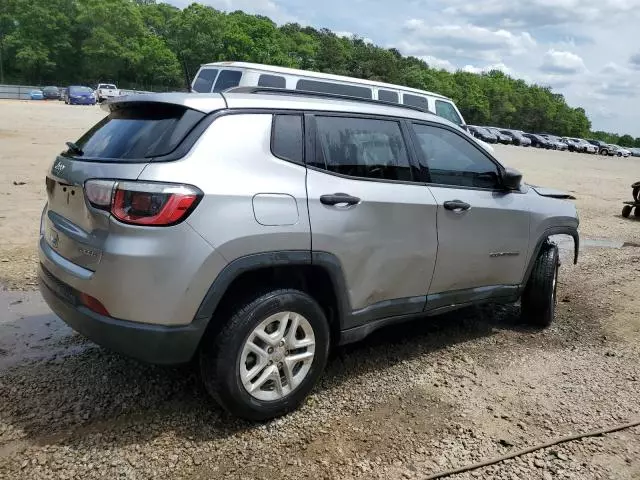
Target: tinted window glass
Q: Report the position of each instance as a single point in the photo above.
(453, 160)
(287, 137)
(131, 134)
(336, 88)
(227, 79)
(204, 80)
(448, 111)
(415, 101)
(362, 148)
(388, 96)
(273, 81)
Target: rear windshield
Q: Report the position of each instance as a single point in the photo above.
(80, 90)
(107, 87)
(137, 132)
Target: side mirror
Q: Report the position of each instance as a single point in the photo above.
(511, 179)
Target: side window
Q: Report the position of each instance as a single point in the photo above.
(362, 147)
(388, 96)
(287, 138)
(448, 111)
(453, 160)
(227, 79)
(273, 81)
(336, 88)
(204, 80)
(415, 101)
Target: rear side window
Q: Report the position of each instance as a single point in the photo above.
(335, 88)
(227, 79)
(204, 80)
(138, 132)
(415, 101)
(388, 96)
(287, 137)
(448, 111)
(272, 81)
(362, 147)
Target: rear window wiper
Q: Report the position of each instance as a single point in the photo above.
(73, 148)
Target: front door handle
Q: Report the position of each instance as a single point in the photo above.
(339, 199)
(456, 206)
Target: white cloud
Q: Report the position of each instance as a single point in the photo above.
(496, 66)
(438, 63)
(345, 34)
(464, 40)
(562, 63)
(543, 12)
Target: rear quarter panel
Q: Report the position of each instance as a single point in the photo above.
(232, 163)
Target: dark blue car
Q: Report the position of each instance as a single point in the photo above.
(77, 95)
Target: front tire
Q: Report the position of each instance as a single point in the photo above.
(268, 356)
(539, 296)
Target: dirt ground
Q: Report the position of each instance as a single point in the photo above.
(406, 402)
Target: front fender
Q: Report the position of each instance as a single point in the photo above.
(558, 230)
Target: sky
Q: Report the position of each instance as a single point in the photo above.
(588, 50)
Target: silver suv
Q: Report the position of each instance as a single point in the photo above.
(256, 228)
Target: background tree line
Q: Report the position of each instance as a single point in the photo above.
(155, 46)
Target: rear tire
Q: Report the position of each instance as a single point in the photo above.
(258, 338)
(539, 296)
(636, 212)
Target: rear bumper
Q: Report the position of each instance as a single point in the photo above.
(82, 101)
(150, 343)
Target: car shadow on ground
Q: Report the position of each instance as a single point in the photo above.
(96, 396)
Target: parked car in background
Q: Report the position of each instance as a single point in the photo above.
(586, 146)
(635, 152)
(105, 91)
(603, 147)
(621, 151)
(572, 145)
(79, 95)
(517, 137)
(556, 142)
(220, 76)
(538, 141)
(483, 134)
(51, 93)
(36, 94)
(502, 138)
(578, 145)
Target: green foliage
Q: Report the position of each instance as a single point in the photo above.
(150, 45)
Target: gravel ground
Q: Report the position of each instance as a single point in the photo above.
(406, 402)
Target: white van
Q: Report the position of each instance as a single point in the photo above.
(219, 76)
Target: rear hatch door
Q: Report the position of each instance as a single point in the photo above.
(116, 148)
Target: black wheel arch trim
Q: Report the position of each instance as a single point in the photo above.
(571, 231)
(256, 261)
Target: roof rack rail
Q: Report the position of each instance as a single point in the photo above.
(306, 93)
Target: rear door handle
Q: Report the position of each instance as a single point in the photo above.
(339, 199)
(456, 205)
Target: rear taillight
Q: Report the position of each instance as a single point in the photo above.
(143, 203)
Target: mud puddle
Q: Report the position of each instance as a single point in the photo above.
(29, 331)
